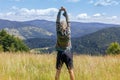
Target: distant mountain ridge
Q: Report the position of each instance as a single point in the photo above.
(47, 29)
(95, 43)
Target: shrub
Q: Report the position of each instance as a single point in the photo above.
(114, 48)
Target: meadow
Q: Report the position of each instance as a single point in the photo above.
(25, 66)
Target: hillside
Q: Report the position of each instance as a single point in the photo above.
(97, 42)
(47, 29)
(40, 42)
(94, 43)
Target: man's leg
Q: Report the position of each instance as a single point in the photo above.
(59, 64)
(57, 74)
(72, 77)
(69, 64)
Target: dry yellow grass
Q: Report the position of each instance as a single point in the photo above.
(23, 66)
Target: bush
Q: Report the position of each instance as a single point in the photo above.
(114, 48)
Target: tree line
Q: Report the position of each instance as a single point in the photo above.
(10, 43)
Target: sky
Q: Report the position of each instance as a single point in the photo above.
(104, 11)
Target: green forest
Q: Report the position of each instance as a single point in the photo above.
(10, 43)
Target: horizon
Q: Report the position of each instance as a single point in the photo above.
(54, 21)
(87, 11)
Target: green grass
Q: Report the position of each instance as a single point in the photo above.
(42, 67)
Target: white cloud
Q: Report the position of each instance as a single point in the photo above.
(105, 2)
(97, 15)
(73, 0)
(83, 16)
(114, 17)
(50, 12)
(27, 14)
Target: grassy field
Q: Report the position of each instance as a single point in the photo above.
(42, 67)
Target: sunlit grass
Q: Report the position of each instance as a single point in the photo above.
(23, 66)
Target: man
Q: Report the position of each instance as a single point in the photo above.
(63, 45)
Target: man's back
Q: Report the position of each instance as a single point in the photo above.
(63, 35)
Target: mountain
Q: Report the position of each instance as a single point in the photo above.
(24, 30)
(95, 43)
(29, 32)
(47, 29)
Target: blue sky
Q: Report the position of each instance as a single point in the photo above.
(105, 11)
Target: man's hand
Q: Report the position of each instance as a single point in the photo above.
(63, 9)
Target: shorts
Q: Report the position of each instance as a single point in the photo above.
(64, 57)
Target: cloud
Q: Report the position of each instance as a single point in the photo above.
(38, 12)
(97, 17)
(83, 16)
(73, 0)
(27, 14)
(24, 14)
(105, 2)
(114, 17)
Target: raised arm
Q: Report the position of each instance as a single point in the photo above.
(58, 16)
(66, 16)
